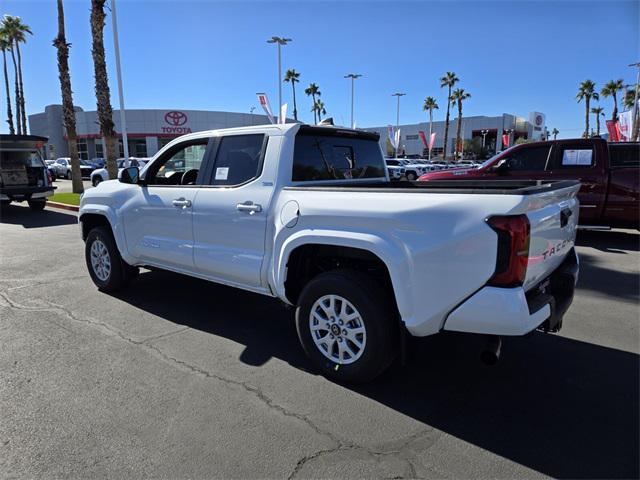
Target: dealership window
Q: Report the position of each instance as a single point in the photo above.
(140, 148)
(320, 157)
(412, 137)
(99, 150)
(82, 151)
(238, 159)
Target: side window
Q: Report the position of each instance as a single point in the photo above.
(239, 159)
(624, 155)
(319, 157)
(178, 166)
(574, 156)
(529, 159)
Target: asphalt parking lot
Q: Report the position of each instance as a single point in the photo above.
(65, 186)
(180, 378)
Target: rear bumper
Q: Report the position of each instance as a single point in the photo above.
(512, 311)
(19, 194)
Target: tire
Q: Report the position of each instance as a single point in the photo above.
(96, 181)
(107, 268)
(374, 313)
(68, 176)
(37, 205)
(411, 176)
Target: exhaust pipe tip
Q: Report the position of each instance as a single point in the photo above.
(490, 355)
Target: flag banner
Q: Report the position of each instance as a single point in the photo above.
(505, 140)
(264, 103)
(283, 114)
(392, 136)
(423, 137)
(432, 140)
(397, 140)
(614, 130)
(625, 122)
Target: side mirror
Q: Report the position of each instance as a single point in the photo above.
(130, 175)
(502, 166)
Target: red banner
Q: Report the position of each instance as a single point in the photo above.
(432, 140)
(614, 130)
(505, 140)
(423, 137)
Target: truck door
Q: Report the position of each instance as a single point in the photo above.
(159, 219)
(578, 160)
(230, 215)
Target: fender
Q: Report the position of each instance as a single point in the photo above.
(118, 232)
(392, 254)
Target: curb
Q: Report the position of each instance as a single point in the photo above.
(63, 206)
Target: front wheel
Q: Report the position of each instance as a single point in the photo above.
(347, 326)
(411, 176)
(68, 176)
(107, 268)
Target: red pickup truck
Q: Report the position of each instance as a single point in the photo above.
(609, 173)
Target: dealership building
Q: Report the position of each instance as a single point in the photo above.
(492, 128)
(147, 130)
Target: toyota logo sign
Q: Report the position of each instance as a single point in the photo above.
(175, 118)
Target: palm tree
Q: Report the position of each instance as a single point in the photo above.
(456, 98)
(611, 89)
(555, 132)
(597, 111)
(292, 76)
(430, 105)
(4, 46)
(16, 31)
(318, 107)
(449, 80)
(6, 34)
(313, 90)
(587, 91)
(103, 94)
(60, 42)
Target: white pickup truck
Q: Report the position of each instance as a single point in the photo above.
(308, 214)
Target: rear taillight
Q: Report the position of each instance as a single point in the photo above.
(513, 249)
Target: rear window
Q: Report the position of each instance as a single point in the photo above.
(334, 157)
(20, 158)
(624, 155)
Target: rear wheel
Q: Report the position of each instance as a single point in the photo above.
(68, 175)
(411, 176)
(107, 268)
(37, 205)
(96, 180)
(347, 326)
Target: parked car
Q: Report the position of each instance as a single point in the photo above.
(23, 174)
(101, 174)
(63, 167)
(609, 173)
(308, 214)
(98, 162)
(86, 168)
(51, 168)
(395, 169)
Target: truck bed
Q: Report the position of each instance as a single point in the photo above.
(487, 187)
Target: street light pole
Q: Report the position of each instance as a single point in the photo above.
(398, 95)
(279, 41)
(353, 77)
(484, 136)
(116, 47)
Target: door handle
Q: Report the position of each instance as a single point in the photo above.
(250, 207)
(181, 203)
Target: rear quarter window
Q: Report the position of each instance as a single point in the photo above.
(334, 157)
(624, 155)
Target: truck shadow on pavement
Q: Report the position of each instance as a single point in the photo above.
(562, 407)
(22, 215)
(614, 241)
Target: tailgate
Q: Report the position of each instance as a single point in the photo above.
(553, 217)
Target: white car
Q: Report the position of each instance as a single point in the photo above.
(63, 167)
(307, 214)
(395, 169)
(101, 174)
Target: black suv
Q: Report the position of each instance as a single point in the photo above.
(23, 174)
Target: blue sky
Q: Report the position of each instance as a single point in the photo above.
(513, 57)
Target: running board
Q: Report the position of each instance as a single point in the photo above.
(594, 227)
